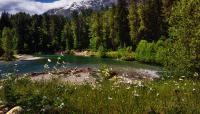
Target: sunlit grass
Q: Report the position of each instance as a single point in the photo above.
(168, 96)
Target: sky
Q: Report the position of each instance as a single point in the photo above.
(32, 6)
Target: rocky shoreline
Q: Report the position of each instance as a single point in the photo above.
(91, 76)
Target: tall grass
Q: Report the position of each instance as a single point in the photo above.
(162, 96)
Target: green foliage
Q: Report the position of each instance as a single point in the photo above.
(161, 51)
(168, 96)
(133, 22)
(123, 53)
(67, 37)
(96, 32)
(145, 52)
(105, 72)
(152, 52)
(110, 28)
(101, 52)
(7, 44)
(184, 53)
(122, 23)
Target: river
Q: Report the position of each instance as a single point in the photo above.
(69, 61)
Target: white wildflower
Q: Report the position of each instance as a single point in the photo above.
(42, 110)
(183, 76)
(136, 95)
(110, 98)
(180, 79)
(196, 74)
(49, 60)
(62, 105)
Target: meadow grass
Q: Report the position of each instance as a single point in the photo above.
(161, 96)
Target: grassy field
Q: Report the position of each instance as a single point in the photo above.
(161, 96)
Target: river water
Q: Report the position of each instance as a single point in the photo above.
(69, 61)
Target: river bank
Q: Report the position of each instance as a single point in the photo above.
(24, 57)
(125, 55)
(91, 76)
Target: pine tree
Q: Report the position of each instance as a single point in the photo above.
(7, 43)
(45, 41)
(122, 23)
(76, 30)
(133, 22)
(21, 23)
(106, 29)
(4, 20)
(96, 32)
(67, 36)
(113, 29)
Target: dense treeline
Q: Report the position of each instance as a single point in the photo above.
(159, 31)
(112, 28)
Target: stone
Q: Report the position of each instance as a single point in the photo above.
(1, 112)
(15, 110)
(2, 107)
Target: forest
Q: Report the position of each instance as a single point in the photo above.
(164, 32)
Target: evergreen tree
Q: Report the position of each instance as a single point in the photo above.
(67, 36)
(35, 33)
(122, 23)
(113, 29)
(7, 43)
(21, 23)
(96, 32)
(133, 22)
(45, 41)
(106, 29)
(4, 20)
(166, 12)
(76, 30)
(149, 12)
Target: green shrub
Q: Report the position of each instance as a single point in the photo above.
(145, 52)
(184, 54)
(161, 52)
(104, 72)
(122, 53)
(101, 52)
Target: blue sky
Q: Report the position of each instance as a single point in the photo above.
(32, 6)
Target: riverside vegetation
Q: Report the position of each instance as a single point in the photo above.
(158, 96)
(164, 32)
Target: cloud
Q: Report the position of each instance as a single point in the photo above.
(31, 6)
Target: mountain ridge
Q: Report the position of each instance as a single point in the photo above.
(81, 5)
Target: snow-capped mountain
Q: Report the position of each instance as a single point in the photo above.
(81, 5)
